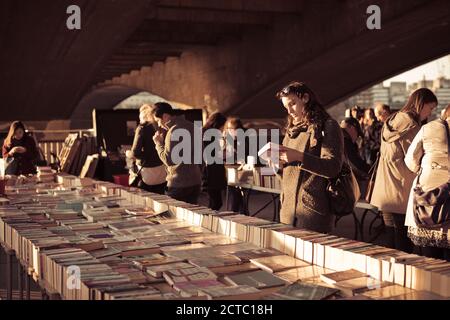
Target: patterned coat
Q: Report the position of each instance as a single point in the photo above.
(303, 199)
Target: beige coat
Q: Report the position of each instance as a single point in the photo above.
(394, 180)
(428, 151)
(303, 195)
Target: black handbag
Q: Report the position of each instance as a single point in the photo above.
(135, 176)
(343, 191)
(432, 208)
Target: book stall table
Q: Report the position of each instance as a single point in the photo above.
(9, 265)
(25, 274)
(246, 189)
(126, 244)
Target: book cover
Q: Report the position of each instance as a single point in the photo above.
(238, 292)
(278, 263)
(302, 273)
(192, 273)
(357, 285)
(157, 270)
(306, 291)
(247, 255)
(258, 279)
(333, 278)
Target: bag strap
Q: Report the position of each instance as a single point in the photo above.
(448, 144)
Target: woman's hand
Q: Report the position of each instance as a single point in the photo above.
(158, 138)
(129, 154)
(17, 149)
(288, 155)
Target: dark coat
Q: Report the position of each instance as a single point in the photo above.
(304, 196)
(359, 167)
(214, 176)
(372, 141)
(143, 148)
(25, 161)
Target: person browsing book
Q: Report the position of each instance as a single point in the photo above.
(312, 151)
(428, 157)
(19, 151)
(214, 173)
(184, 178)
(394, 179)
(152, 171)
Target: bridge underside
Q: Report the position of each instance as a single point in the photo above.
(227, 55)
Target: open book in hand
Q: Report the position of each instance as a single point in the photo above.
(270, 152)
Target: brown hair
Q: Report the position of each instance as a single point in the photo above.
(313, 112)
(12, 129)
(216, 121)
(416, 101)
(235, 123)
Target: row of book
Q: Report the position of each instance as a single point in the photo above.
(328, 251)
(113, 242)
(332, 252)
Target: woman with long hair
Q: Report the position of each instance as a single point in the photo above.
(311, 153)
(214, 173)
(428, 157)
(394, 180)
(19, 151)
(152, 171)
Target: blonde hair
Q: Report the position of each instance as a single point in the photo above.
(445, 113)
(145, 113)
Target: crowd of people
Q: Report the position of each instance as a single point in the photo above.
(404, 158)
(401, 149)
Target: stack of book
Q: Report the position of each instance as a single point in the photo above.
(46, 174)
(188, 281)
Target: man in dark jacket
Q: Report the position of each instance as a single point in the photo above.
(183, 174)
(352, 130)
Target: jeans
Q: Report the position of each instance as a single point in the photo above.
(189, 194)
(397, 232)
